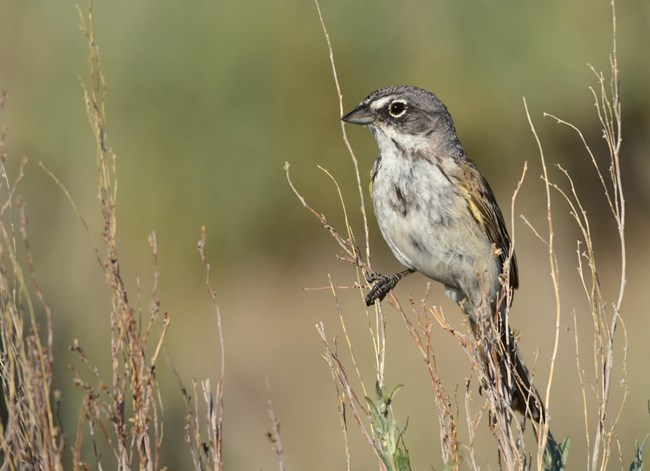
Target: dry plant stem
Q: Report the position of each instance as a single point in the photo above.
(332, 359)
(352, 256)
(504, 423)
(608, 107)
(133, 372)
(347, 339)
(193, 423)
(513, 201)
(68, 196)
(7, 206)
(583, 383)
(213, 296)
(447, 418)
(206, 452)
(29, 435)
(274, 434)
(555, 278)
(350, 250)
(607, 103)
(379, 336)
(121, 315)
(472, 422)
(345, 136)
(347, 395)
(340, 401)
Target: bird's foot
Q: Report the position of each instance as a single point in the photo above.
(382, 285)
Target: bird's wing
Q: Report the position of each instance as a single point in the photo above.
(485, 210)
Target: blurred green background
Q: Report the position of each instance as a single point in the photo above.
(207, 100)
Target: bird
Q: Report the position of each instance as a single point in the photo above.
(439, 216)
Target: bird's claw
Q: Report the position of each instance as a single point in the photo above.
(382, 285)
(372, 277)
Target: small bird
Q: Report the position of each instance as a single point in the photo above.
(439, 216)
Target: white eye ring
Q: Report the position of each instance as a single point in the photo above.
(397, 108)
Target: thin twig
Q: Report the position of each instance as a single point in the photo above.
(555, 275)
(355, 163)
(274, 434)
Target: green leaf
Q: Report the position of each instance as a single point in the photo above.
(637, 464)
(556, 455)
(401, 459)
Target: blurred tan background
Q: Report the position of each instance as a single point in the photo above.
(207, 100)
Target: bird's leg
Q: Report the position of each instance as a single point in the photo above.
(383, 284)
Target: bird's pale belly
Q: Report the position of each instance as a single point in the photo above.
(429, 249)
(427, 233)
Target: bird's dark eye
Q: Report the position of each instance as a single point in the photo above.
(397, 108)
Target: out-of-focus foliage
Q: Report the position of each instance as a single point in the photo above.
(207, 100)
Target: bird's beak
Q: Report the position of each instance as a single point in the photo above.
(360, 115)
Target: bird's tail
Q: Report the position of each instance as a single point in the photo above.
(525, 397)
(500, 356)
